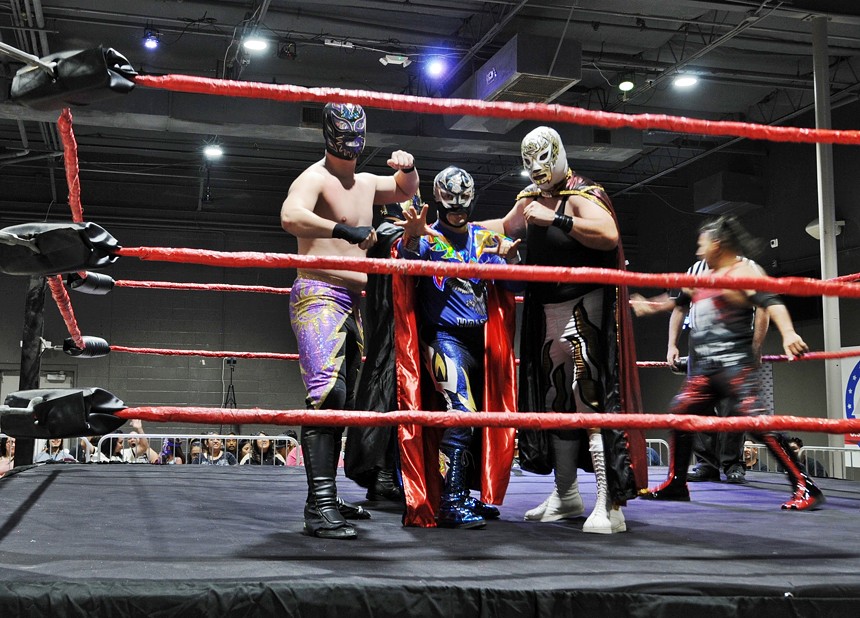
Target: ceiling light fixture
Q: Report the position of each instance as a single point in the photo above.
(397, 59)
(212, 151)
(255, 43)
(436, 67)
(626, 84)
(685, 81)
(151, 38)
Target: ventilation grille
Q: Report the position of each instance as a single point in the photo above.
(312, 117)
(532, 88)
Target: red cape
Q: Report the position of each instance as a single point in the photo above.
(419, 446)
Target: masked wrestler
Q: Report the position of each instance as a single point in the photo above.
(372, 457)
(329, 208)
(453, 330)
(722, 365)
(576, 347)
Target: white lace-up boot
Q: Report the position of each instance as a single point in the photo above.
(557, 507)
(599, 521)
(617, 519)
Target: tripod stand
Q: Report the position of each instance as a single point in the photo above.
(230, 398)
(230, 393)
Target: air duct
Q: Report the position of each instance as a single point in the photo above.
(520, 73)
(728, 193)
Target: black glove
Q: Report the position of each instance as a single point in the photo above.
(351, 234)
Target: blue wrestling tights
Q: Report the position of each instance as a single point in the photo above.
(455, 358)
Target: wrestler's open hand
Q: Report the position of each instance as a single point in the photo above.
(400, 159)
(414, 223)
(538, 214)
(794, 345)
(506, 248)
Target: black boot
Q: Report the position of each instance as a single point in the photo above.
(453, 512)
(675, 485)
(350, 510)
(482, 509)
(322, 516)
(385, 487)
(807, 496)
(487, 511)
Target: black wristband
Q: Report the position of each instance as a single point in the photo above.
(408, 170)
(351, 234)
(563, 222)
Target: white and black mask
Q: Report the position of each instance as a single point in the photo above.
(544, 157)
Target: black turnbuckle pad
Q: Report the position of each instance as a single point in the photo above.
(55, 248)
(97, 284)
(60, 413)
(80, 78)
(94, 347)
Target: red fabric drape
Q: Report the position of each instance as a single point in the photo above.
(419, 446)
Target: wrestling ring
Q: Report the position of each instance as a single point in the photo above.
(123, 540)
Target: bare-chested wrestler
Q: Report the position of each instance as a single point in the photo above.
(329, 208)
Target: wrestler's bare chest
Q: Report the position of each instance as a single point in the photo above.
(350, 203)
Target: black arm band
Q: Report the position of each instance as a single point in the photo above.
(407, 170)
(351, 234)
(563, 222)
(766, 299)
(683, 299)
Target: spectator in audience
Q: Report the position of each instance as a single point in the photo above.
(245, 448)
(813, 466)
(751, 460)
(7, 454)
(138, 450)
(281, 446)
(171, 452)
(231, 445)
(195, 449)
(214, 455)
(653, 457)
(262, 452)
(84, 449)
(110, 451)
(55, 451)
(294, 455)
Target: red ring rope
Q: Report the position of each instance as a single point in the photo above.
(64, 304)
(207, 353)
(542, 112)
(797, 286)
(70, 157)
(523, 420)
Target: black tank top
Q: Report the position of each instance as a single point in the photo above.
(721, 336)
(550, 246)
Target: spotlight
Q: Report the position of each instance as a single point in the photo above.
(151, 38)
(626, 85)
(436, 67)
(212, 151)
(685, 81)
(395, 59)
(255, 43)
